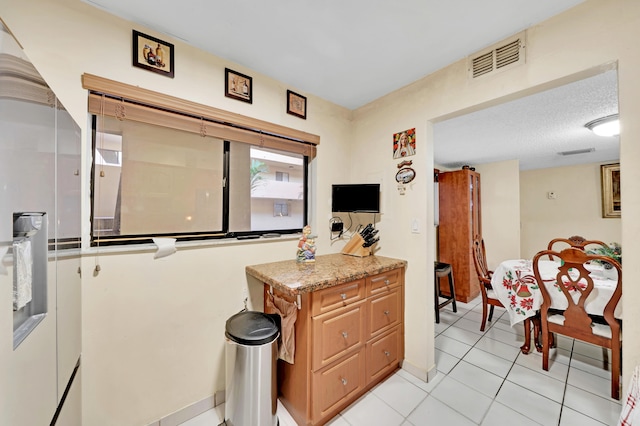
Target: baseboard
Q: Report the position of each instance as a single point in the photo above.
(425, 376)
(189, 412)
(220, 397)
(432, 373)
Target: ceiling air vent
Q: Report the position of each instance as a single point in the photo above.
(577, 151)
(498, 57)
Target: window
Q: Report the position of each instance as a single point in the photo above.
(150, 180)
(169, 181)
(160, 172)
(281, 209)
(282, 176)
(265, 189)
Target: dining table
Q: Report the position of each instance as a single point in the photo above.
(517, 288)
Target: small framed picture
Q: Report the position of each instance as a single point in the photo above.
(238, 86)
(296, 104)
(404, 143)
(611, 199)
(153, 54)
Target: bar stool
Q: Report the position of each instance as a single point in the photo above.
(442, 270)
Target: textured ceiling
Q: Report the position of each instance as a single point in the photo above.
(351, 52)
(534, 129)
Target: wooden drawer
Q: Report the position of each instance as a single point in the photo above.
(385, 311)
(337, 297)
(334, 387)
(383, 355)
(381, 283)
(337, 332)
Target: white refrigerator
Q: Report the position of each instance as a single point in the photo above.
(39, 248)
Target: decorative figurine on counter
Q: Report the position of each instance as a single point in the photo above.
(306, 246)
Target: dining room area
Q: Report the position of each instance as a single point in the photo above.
(517, 200)
(572, 291)
(548, 365)
(502, 385)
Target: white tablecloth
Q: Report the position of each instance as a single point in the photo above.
(517, 289)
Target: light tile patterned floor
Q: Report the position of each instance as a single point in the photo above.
(483, 379)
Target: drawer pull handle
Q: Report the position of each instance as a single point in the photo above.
(345, 334)
(344, 381)
(386, 313)
(387, 282)
(387, 353)
(343, 296)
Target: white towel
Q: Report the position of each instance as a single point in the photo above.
(166, 247)
(23, 274)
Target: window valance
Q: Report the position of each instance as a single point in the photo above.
(126, 102)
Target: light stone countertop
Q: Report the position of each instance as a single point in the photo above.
(295, 278)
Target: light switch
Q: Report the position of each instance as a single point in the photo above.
(415, 227)
(551, 195)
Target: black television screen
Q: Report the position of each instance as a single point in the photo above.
(364, 198)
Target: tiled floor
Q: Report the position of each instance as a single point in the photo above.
(483, 379)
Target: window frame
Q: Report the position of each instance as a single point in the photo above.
(109, 98)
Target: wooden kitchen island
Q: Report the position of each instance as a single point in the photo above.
(349, 332)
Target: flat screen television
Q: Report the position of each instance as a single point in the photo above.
(361, 198)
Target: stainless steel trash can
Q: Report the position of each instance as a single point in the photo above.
(251, 354)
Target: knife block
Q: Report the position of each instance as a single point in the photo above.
(354, 247)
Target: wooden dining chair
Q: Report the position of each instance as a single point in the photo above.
(489, 297)
(575, 241)
(602, 330)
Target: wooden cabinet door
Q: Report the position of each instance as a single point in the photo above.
(337, 332)
(331, 298)
(384, 282)
(336, 386)
(384, 312)
(383, 355)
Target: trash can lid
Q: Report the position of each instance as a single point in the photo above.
(251, 328)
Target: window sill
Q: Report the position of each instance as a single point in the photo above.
(150, 247)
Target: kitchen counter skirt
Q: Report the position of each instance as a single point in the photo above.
(295, 278)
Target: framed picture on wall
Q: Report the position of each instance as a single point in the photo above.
(153, 54)
(238, 86)
(611, 201)
(296, 104)
(404, 143)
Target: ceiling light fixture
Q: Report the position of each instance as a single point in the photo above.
(605, 126)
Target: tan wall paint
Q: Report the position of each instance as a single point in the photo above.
(576, 41)
(585, 40)
(500, 194)
(577, 210)
(153, 330)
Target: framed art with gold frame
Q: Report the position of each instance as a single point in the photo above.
(611, 201)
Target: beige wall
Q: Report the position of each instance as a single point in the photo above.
(576, 210)
(585, 40)
(500, 194)
(153, 330)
